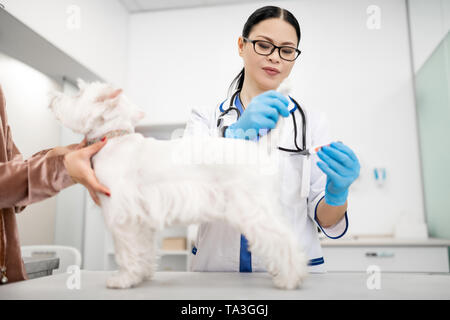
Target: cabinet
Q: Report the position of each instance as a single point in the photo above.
(389, 254)
(177, 260)
(169, 260)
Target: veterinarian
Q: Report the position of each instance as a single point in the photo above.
(25, 182)
(269, 48)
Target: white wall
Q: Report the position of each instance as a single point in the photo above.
(101, 41)
(361, 77)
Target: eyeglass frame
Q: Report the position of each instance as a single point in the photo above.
(274, 47)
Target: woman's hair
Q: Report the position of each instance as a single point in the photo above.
(256, 17)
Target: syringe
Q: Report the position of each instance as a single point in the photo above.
(313, 150)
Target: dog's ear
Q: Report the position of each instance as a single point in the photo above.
(115, 94)
(138, 116)
(81, 84)
(110, 97)
(110, 101)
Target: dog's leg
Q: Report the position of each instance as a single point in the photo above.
(135, 256)
(273, 241)
(150, 257)
(289, 266)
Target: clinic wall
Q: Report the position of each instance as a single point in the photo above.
(360, 77)
(430, 42)
(97, 37)
(430, 22)
(433, 109)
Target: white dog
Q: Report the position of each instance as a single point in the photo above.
(155, 184)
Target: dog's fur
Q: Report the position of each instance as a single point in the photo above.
(155, 184)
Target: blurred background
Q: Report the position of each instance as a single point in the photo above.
(380, 70)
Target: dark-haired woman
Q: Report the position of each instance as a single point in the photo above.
(314, 190)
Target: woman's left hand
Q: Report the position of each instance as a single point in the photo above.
(342, 167)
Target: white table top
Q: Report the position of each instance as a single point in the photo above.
(234, 286)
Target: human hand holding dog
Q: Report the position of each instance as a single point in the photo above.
(78, 166)
(66, 149)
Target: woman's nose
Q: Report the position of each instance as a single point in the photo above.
(274, 57)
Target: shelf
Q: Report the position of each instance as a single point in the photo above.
(173, 252)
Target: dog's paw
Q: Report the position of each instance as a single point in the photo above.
(287, 282)
(121, 280)
(149, 276)
(290, 278)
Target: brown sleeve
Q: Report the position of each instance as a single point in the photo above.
(30, 181)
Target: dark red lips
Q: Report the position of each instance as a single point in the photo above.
(271, 71)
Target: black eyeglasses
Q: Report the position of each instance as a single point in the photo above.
(266, 48)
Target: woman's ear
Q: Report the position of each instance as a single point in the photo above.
(240, 45)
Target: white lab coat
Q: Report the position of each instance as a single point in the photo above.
(217, 247)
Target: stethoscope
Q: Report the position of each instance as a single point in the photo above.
(298, 150)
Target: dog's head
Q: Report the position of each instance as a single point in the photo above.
(96, 107)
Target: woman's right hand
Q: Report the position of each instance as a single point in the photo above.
(66, 149)
(262, 113)
(78, 165)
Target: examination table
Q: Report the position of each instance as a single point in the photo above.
(235, 286)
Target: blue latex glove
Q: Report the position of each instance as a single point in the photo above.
(342, 167)
(261, 113)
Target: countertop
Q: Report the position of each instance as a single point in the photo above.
(356, 241)
(234, 286)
